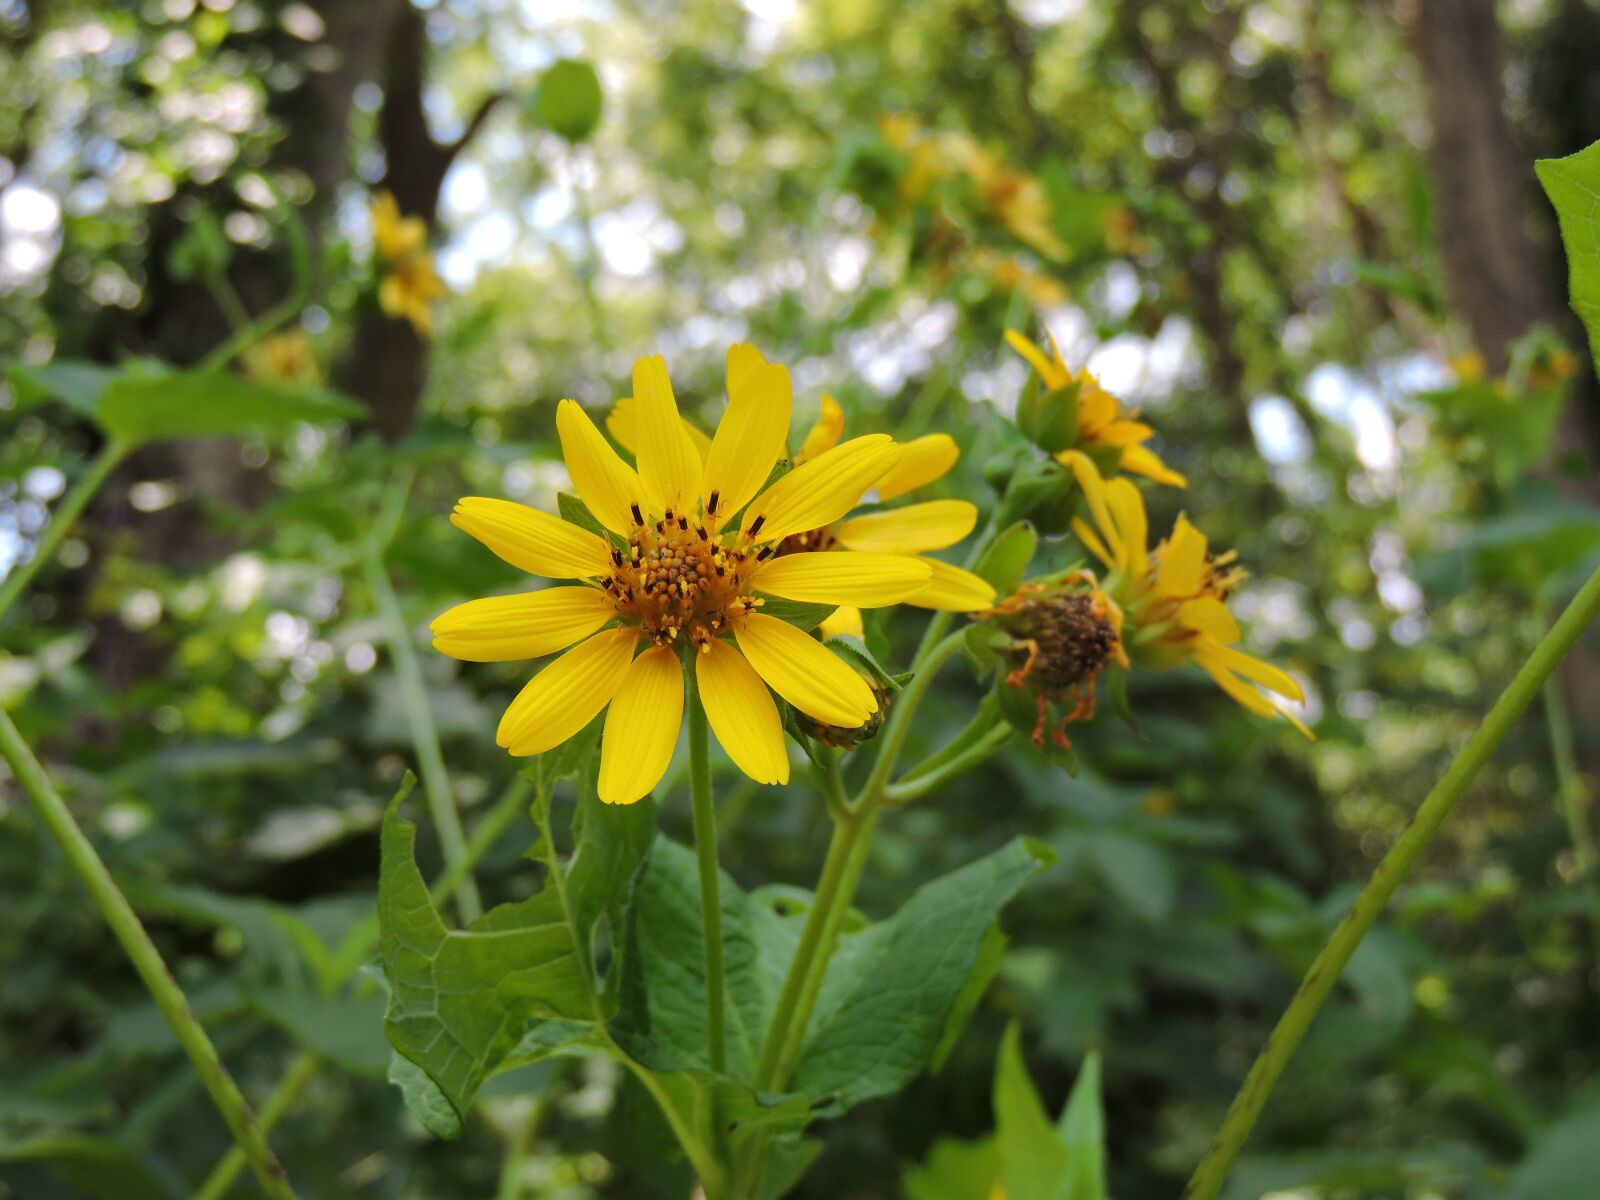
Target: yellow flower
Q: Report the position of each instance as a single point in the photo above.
(408, 284)
(677, 571)
(913, 529)
(1102, 422)
(925, 162)
(1170, 604)
(283, 358)
(1016, 198)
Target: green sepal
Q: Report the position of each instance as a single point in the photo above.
(575, 512)
(1049, 418)
(1005, 560)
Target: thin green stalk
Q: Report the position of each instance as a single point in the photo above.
(61, 521)
(1330, 961)
(119, 915)
(1570, 791)
(424, 734)
(905, 704)
(300, 284)
(932, 779)
(705, 848)
(273, 1108)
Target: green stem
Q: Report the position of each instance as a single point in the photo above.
(273, 1108)
(300, 272)
(705, 846)
(61, 522)
(1330, 961)
(932, 779)
(146, 959)
(902, 708)
(1570, 790)
(424, 735)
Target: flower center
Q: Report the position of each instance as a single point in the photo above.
(676, 579)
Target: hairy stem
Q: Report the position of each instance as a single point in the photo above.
(119, 915)
(705, 846)
(61, 522)
(1402, 856)
(273, 1108)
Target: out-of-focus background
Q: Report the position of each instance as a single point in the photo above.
(1305, 238)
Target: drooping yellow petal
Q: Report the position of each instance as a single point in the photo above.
(1209, 616)
(669, 466)
(751, 435)
(531, 540)
(1141, 461)
(568, 694)
(842, 577)
(1127, 507)
(951, 589)
(916, 528)
(1123, 433)
(804, 672)
(820, 491)
(528, 625)
(1183, 560)
(622, 423)
(1091, 541)
(1093, 488)
(846, 619)
(925, 459)
(1247, 695)
(1251, 667)
(742, 713)
(641, 727)
(825, 434)
(604, 482)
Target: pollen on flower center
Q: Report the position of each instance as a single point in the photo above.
(676, 579)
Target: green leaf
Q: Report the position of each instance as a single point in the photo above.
(982, 975)
(576, 512)
(955, 1170)
(345, 1029)
(1573, 185)
(891, 987)
(1033, 1158)
(152, 408)
(796, 612)
(78, 385)
(568, 100)
(462, 1000)
(96, 1166)
(1005, 560)
(1083, 1127)
(423, 1097)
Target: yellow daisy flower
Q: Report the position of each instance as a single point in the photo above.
(1016, 198)
(1102, 422)
(681, 567)
(1169, 605)
(409, 283)
(914, 529)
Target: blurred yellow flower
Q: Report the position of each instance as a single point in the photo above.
(1102, 423)
(285, 357)
(1170, 604)
(674, 572)
(1015, 198)
(408, 284)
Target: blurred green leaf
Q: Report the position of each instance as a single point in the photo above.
(153, 408)
(1573, 185)
(568, 99)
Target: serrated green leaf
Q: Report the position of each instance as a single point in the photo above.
(423, 1098)
(979, 978)
(1573, 185)
(191, 404)
(891, 987)
(1033, 1158)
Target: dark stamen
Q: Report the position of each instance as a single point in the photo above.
(711, 504)
(638, 517)
(755, 526)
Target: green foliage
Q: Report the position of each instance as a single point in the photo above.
(1573, 185)
(568, 99)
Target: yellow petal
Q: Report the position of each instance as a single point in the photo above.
(820, 491)
(1251, 667)
(530, 540)
(825, 434)
(1127, 506)
(932, 525)
(842, 577)
(641, 727)
(1209, 616)
(846, 619)
(1248, 696)
(1144, 462)
(1094, 494)
(805, 672)
(925, 459)
(669, 466)
(951, 589)
(622, 423)
(752, 434)
(528, 625)
(1183, 560)
(1053, 376)
(564, 697)
(1123, 433)
(1091, 541)
(742, 713)
(604, 482)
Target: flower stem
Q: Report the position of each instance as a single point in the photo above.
(61, 522)
(119, 915)
(705, 846)
(277, 1103)
(1331, 960)
(932, 779)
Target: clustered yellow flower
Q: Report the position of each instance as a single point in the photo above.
(1105, 428)
(408, 284)
(286, 357)
(695, 541)
(1168, 606)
